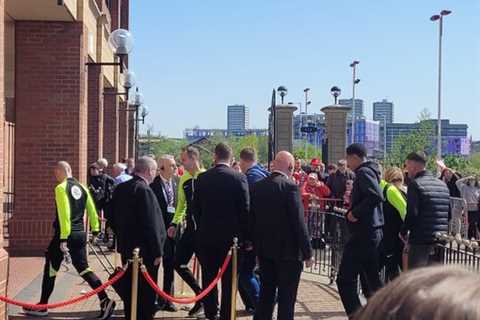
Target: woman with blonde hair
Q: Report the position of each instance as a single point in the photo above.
(394, 211)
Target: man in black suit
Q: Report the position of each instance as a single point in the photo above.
(280, 238)
(138, 223)
(165, 188)
(221, 204)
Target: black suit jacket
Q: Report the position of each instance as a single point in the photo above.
(221, 204)
(158, 187)
(137, 219)
(277, 220)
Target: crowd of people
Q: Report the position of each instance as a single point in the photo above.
(173, 211)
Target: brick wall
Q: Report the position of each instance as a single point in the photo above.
(51, 124)
(131, 134)
(123, 132)
(3, 253)
(110, 126)
(95, 113)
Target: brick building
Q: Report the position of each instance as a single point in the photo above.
(55, 107)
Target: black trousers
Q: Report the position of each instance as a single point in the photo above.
(53, 259)
(146, 295)
(361, 254)
(283, 276)
(168, 264)
(183, 254)
(212, 258)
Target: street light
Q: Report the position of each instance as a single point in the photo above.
(282, 91)
(439, 17)
(121, 42)
(307, 102)
(355, 81)
(135, 106)
(144, 113)
(335, 91)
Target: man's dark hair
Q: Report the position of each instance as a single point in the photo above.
(248, 154)
(357, 149)
(192, 152)
(223, 152)
(418, 156)
(332, 167)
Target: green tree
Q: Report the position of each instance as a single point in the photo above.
(312, 152)
(420, 139)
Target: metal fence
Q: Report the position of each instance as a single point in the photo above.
(328, 233)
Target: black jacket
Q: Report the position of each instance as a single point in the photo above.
(277, 220)
(428, 203)
(137, 219)
(158, 188)
(367, 198)
(221, 204)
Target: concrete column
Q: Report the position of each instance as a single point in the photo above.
(284, 128)
(336, 126)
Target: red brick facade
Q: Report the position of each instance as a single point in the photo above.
(123, 132)
(51, 124)
(110, 126)
(95, 113)
(131, 134)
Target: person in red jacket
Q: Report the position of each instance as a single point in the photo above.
(313, 191)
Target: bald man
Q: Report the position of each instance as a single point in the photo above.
(69, 240)
(280, 238)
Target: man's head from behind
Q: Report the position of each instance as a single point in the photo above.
(146, 168)
(190, 158)
(416, 162)
(356, 155)
(167, 166)
(248, 158)
(118, 169)
(285, 162)
(223, 153)
(62, 171)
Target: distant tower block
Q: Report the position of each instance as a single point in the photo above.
(336, 126)
(284, 128)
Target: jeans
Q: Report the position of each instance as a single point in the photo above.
(360, 255)
(248, 284)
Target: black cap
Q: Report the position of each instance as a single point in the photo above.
(418, 156)
(357, 149)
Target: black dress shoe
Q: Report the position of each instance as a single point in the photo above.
(169, 307)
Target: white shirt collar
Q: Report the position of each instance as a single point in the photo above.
(164, 180)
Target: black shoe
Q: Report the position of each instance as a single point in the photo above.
(169, 307)
(196, 310)
(106, 309)
(250, 311)
(36, 312)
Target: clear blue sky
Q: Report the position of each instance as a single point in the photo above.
(193, 58)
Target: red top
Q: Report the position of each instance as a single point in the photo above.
(312, 193)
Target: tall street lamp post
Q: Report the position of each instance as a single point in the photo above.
(439, 18)
(355, 81)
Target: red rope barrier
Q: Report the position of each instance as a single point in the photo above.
(68, 302)
(168, 297)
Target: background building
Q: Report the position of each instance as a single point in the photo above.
(237, 118)
(366, 133)
(455, 140)
(359, 110)
(197, 133)
(383, 110)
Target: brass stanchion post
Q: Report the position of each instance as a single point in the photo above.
(135, 267)
(233, 310)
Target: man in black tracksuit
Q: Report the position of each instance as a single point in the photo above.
(365, 221)
(69, 240)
